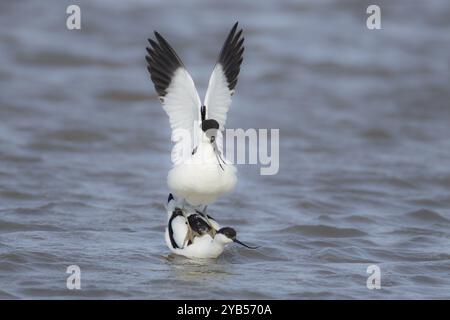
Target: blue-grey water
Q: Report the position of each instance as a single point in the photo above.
(364, 119)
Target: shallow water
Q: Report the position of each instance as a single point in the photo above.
(364, 149)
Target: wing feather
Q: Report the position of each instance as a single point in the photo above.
(175, 88)
(224, 77)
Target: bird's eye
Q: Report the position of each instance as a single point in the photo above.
(213, 139)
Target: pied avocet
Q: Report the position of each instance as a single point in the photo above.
(204, 175)
(193, 234)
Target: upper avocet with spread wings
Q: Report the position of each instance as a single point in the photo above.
(200, 174)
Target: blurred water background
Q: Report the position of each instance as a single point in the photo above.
(364, 178)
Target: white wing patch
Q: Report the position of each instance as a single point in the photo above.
(218, 96)
(181, 103)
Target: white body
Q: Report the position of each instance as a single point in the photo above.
(202, 247)
(200, 180)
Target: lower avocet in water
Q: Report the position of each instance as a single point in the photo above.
(195, 234)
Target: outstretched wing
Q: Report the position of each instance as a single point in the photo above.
(224, 77)
(175, 88)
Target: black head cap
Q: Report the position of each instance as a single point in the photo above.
(210, 124)
(228, 232)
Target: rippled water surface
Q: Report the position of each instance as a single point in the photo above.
(364, 119)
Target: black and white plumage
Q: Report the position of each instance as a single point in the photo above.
(162, 63)
(166, 68)
(194, 234)
(177, 221)
(197, 184)
(181, 101)
(200, 224)
(224, 77)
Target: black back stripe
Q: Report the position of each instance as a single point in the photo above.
(198, 224)
(231, 56)
(177, 212)
(162, 62)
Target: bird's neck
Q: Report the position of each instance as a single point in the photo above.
(219, 245)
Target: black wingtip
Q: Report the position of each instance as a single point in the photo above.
(231, 55)
(162, 62)
(158, 36)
